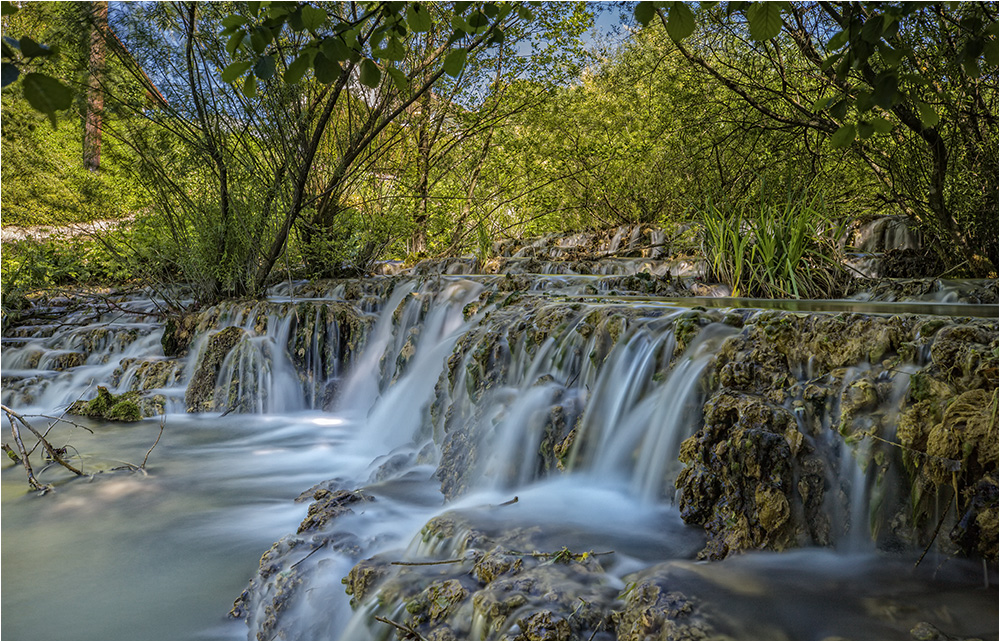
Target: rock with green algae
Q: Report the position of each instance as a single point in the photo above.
(949, 436)
(839, 372)
(496, 586)
(109, 407)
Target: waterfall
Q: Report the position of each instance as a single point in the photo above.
(499, 424)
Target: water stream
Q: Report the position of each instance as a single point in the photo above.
(162, 553)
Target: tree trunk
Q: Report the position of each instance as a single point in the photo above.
(418, 241)
(95, 95)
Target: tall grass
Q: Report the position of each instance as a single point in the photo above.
(776, 250)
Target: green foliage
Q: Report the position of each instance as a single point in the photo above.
(43, 92)
(331, 43)
(765, 249)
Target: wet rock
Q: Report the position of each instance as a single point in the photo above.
(654, 610)
(200, 393)
(285, 568)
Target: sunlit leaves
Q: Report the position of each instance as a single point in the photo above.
(370, 43)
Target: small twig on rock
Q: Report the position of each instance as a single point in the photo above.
(401, 627)
(508, 502)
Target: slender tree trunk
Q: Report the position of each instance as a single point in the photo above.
(418, 241)
(95, 95)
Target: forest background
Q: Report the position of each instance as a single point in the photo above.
(241, 143)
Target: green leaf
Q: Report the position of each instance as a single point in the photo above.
(47, 95)
(235, 70)
(394, 50)
(327, 69)
(250, 86)
(890, 56)
(233, 45)
(971, 66)
(8, 73)
(886, 91)
(644, 12)
(458, 23)
(258, 41)
(399, 79)
(454, 62)
(823, 103)
(336, 49)
(843, 136)
(680, 22)
(264, 69)
(865, 130)
(990, 52)
(295, 20)
(765, 20)
(298, 68)
(233, 20)
(418, 18)
(928, 116)
(839, 109)
(7, 8)
(838, 40)
(881, 125)
(313, 17)
(524, 13)
(31, 49)
(872, 29)
(370, 73)
(864, 101)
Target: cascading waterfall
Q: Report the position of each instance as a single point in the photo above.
(583, 405)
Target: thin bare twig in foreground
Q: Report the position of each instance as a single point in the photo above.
(163, 422)
(401, 627)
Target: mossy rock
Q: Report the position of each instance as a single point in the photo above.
(109, 407)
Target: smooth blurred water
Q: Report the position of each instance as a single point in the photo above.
(126, 555)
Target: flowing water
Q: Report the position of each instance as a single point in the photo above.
(162, 553)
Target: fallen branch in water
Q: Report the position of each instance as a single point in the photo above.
(23, 455)
(16, 418)
(401, 627)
